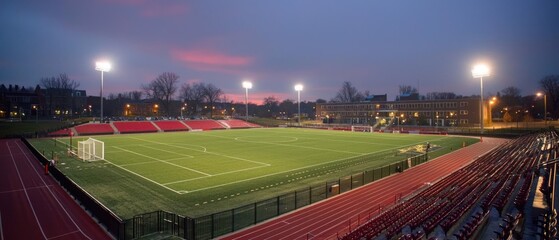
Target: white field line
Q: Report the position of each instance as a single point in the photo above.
(296, 169)
(217, 154)
(219, 174)
(148, 162)
(372, 136)
(51, 193)
(276, 173)
(185, 155)
(139, 175)
(163, 161)
(25, 191)
(285, 145)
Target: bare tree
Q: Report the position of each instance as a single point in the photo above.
(136, 95)
(406, 89)
(550, 85)
(162, 89)
(193, 95)
(440, 95)
(211, 95)
(59, 92)
(348, 93)
(510, 97)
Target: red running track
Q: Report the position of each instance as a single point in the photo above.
(33, 205)
(336, 216)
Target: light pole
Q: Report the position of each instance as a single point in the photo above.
(544, 106)
(299, 88)
(36, 113)
(102, 66)
(246, 85)
(480, 71)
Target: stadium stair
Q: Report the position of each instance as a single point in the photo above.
(114, 128)
(155, 125)
(483, 200)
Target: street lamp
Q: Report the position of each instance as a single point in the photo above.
(480, 71)
(544, 106)
(36, 108)
(102, 66)
(246, 85)
(299, 88)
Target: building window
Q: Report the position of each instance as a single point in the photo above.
(463, 112)
(463, 104)
(463, 121)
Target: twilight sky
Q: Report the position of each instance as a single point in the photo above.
(376, 45)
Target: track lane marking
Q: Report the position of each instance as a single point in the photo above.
(52, 194)
(25, 191)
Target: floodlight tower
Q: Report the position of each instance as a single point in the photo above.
(299, 88)
(102, 66)
(246, 85)
(480, 71)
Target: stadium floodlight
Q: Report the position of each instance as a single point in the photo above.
(102, 66)
(299, 88)
(480, 71)
(539, 94)
(246, 85)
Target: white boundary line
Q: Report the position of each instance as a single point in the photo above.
(145, 178)
(156, 159)
(217, 154)
(287, 145)
(219, 174)
(25, 191)
(140, 163)
(296, 169)
(185, 155)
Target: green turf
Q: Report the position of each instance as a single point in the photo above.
(197, 173)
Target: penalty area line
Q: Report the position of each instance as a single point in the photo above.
(224, 173)
(145, 178)
(159, 160)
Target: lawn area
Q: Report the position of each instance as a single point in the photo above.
(198, 173)
(9, 129)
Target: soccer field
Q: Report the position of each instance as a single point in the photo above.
(196, 173)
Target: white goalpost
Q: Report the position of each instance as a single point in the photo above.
(91, 150)
(362, 129)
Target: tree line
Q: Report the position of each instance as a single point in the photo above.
(60, 93)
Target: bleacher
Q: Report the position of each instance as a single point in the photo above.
(483, 200)
(203, 124)
(61, 133)
(135, 127)
(94, 128)
(171, 125)
(235, 123)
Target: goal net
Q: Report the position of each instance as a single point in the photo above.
(91, 150)
(362, 129)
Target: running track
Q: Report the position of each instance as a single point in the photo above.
(33, 205)
(326, 219)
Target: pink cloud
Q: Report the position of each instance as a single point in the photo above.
(257, 98)
(211, 58)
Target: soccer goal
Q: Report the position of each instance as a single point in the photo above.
(362, 129)
(91, 150)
